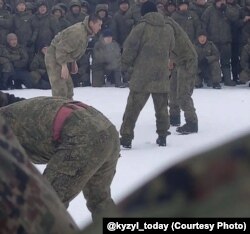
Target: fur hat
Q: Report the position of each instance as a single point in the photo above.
(148, 7)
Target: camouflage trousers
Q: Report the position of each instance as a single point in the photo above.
(60, 87)
(85, 160)
(135, 103)
(211, 73)
(181, 89)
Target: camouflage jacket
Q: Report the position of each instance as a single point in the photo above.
(28, 204)
(208, 51)
(18, 56)
(38, 63)
(35, 132)
(184, 49)
(22, 27)
(71, 43)
(189, 21)
(217, 24)
(122, 24)
(146, 52)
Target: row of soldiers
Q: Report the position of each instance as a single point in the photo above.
(36, 28)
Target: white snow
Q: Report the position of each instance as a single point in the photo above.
(223, 114)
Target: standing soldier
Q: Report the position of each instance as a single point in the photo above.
(28, 203)
(5, 22)
(67, 47)
(122, 22)
(187, 19)
(149, 41)
(75, 14)
(79, 145)
(182, 82)
(216, 19)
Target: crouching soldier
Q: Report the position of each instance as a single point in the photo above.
(208, 62)
(38, 72)
(106, 61)
(28, 203)
(78, 143)
(245, 63)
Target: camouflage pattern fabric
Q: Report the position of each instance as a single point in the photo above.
(210, 184)
(147, 57)
(83, 159)
(185, 58)
(214, 183)
(64, 49)
(28, 203)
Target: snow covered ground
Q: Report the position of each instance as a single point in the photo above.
(223, 115)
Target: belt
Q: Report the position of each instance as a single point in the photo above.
(62, 115)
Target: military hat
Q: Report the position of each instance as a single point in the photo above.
(202, 32)
(107, 33)
(171, 2)
(179, 2)
(84, 4)
(20, 1)
(42, 3)
(123, 1)
(148, 7)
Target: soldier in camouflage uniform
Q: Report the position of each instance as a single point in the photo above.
(67, 47)
(146, 54)
(38, 72)
(208, 62)
(187, 19)
(184, 70)
(5, 22)
(74, 14)
(28, 203)
(211, 184)
(245, 63)
(78, 143)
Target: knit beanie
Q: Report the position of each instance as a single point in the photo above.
(148, 7)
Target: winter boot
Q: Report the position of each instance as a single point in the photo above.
(188, 128)
(175, 120)
(126, 142)
(161, 141)
(216, 86)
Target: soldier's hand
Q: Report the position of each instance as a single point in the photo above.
(74, 68)
(65, 72)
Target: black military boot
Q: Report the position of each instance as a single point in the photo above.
(188, 128)
(216, 86)
(161, 141)
(126, 142)
(175, 120)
